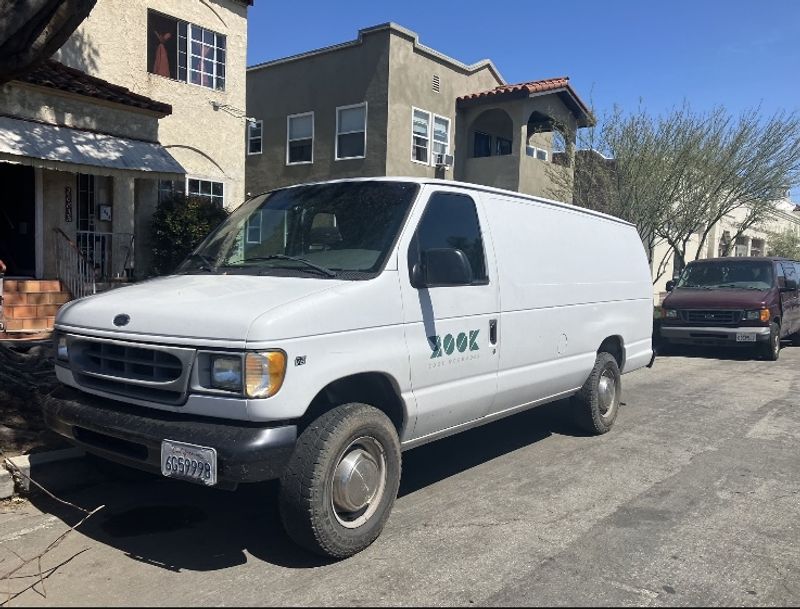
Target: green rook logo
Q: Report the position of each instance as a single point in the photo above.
(446, 346)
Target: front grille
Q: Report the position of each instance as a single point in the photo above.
(145, 372)
(711, 317)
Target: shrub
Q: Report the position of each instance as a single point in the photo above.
(179, 225)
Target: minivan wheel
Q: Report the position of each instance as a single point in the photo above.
(342, 480)
(772, 349)
(597, 403)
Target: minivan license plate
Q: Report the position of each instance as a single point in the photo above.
(745, 337)
(189, 462)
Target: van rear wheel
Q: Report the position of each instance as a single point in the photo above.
(597, 403)
(342, 480)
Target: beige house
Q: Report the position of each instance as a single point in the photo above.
(385, 104)
(146, 99)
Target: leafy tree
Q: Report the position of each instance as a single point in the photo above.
(179, 225)
(785, 244)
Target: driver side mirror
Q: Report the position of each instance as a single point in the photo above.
(670, 285)
(441, 267)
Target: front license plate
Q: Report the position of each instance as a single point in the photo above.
(189, 462)
(745, 337)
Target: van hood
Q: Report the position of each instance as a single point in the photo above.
(719, 298)
(204, 307)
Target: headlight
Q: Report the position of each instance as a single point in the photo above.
(226, 372)
(670, 313)
(62, 351)
(264, 373)
(759, 315)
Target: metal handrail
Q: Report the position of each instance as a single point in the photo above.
(74, 270)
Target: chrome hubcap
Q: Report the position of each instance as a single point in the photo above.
(358, 482)
(607, 392)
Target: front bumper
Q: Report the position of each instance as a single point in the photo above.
(712, 335)
(132, 435)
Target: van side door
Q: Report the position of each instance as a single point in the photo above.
(790, 301)
(448, 328)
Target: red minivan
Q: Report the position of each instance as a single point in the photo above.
(734, 301)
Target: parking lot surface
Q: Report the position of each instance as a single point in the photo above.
(692, 499)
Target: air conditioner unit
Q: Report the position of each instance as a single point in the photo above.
(444, 160)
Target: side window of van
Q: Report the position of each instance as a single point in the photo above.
(788, 270)
(451, 221)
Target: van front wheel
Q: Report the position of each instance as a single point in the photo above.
(341, 482)
(597, 403)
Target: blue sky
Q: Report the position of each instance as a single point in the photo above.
(727, 52)
(724, 52)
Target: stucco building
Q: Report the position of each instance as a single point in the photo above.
(146, 99)
(385, 104)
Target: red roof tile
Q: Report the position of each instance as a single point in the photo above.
(535, 86)
(58, 76)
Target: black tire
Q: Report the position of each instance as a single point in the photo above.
(307, 499)
(772, 350)
(593, 414)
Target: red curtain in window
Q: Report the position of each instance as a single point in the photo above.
(161, 63)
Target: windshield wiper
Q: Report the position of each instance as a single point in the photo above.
(308, 263)
(702, 287)
(739, 287)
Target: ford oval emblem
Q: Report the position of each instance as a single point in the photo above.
(122, 319)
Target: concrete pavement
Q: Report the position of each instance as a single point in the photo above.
(692, 499)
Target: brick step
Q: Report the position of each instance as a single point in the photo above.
(25, 336)
(36, 324)
(29, 311)
(35, 298)
(32, 285)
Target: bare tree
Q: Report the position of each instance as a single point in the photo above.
(32, 30)
(676, 176)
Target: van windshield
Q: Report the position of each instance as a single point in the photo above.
(743, 274)
(343, 230)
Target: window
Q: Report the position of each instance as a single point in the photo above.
(420, 135)
(502, 146)
(300, 138)
(451, 221)
(213, 191)
(184, 51)
(483, 144)
(441, 138)
(255, 132)
(254, 228)
(351, 132)
(535, 152)
(169, 189)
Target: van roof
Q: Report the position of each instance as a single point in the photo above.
(465, 185)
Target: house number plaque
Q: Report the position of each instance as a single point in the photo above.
(67, 204)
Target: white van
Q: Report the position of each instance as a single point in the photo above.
(322, 329)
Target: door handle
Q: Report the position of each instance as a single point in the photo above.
(493, 331)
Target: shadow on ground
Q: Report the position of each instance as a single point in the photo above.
(740, 354)
(181, 526)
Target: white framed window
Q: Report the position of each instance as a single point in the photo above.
(207, 189)
(420, 136)
(300, 138)
(254, 228)
(351, 132)
(441, 138)
(255, 133)
(539, 153)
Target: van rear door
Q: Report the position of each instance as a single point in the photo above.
(447, 328)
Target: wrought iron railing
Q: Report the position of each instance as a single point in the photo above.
(74, 269)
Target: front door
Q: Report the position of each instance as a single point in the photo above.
(18, 220)
(453, 361)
